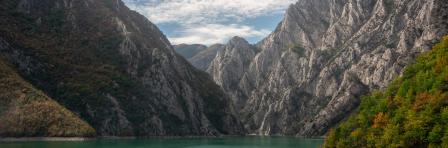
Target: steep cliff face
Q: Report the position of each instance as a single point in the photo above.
(324, 55)
(112, 67)
(229, 66)
(203, 59)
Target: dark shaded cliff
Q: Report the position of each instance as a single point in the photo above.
(111, 67)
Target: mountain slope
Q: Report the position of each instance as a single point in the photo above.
(26, 111)
(188, 51)
(112, 67)
(325, 54)
(200, 56)
(203, 59)
(411, 112)
(229, 65)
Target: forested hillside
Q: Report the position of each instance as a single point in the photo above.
(411, 112)
(27, 111)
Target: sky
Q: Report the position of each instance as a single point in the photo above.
(212, 21)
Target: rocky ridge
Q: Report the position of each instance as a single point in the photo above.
(113, 68)
(311, 71)
(229, 66)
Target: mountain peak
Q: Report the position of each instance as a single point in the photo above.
(308, 90)
(236, 40)
(117, 70)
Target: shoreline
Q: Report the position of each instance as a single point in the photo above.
(75, 139)
(31, 139)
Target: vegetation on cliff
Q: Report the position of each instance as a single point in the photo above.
(411, 112)
(26, 111)
(112, 67)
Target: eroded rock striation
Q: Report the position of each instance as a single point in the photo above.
(229, 66)
(312, 70)
(111, 67)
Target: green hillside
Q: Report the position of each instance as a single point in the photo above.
(26, 111)
(411, 112)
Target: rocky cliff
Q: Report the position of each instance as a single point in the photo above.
(229, 66)
(311, 71)
(112, 68)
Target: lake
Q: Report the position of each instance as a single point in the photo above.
(225, 142)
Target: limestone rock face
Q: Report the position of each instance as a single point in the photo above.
(229, 66)
(113, 68)
(312, 70)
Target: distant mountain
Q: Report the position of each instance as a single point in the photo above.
(188, 51)
(310, 73)
(411, 112)
(200, 56)
(98, 64)
(203, 59)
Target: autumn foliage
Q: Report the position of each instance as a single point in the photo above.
(411, 112)
(28, 112)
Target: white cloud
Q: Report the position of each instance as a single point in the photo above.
(216, 33)
(205, 11)
(209, 21)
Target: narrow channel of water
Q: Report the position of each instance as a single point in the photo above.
(225, 142)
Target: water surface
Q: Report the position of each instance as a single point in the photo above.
(226, 142)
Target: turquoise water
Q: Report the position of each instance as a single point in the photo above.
(228, 142)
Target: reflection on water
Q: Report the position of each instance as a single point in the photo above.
(226, 142)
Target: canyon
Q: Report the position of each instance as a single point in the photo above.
(99, 66)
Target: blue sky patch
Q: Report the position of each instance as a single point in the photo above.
(212, 21)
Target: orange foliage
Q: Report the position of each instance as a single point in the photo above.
(380, 120)
(439, 99)
(435, 100)
(421, 100)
